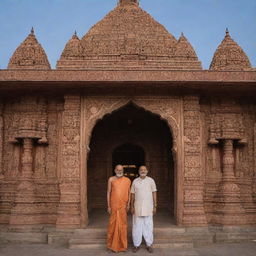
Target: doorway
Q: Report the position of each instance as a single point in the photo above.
(131, 136)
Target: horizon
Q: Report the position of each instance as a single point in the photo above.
(54, 27)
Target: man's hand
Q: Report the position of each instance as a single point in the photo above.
(109, 210)
(132, 210)
(127, 208)
(154, 210)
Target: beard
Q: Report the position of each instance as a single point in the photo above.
(119, 175)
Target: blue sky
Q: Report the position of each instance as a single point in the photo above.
(202, 21)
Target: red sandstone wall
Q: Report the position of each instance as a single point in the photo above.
(238, 118)
(21, 112)
(220, 119)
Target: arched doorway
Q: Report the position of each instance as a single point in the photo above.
(130, 136)
(131, 157)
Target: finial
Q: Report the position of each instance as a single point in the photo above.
(182, 34)
(227, 32)
(75, 35)
(32, 31)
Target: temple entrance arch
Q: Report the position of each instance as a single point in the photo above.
(127, 127)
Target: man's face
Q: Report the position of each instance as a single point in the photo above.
(119, 171)
(143, 171)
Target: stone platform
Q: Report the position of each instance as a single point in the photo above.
(166, 234)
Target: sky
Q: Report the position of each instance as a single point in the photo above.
(202, 21)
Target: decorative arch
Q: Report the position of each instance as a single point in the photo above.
(95, 109)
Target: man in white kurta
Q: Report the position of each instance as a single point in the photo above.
(143, 206)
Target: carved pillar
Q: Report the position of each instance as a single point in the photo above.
(1, 141)
(23, 212)
(69, 206)
(29, 128)
(229, 210)
(194, 213)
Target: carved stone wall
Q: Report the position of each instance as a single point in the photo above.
(44, 146)
(229, 178)
(31, 164)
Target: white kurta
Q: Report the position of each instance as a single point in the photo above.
(142, 189)
(143, 217)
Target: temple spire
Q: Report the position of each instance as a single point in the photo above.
(126, 2)
(227, 32)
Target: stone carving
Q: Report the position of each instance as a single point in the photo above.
(226, 125)
(167, 109)
(193, 173)
(69, 206)
(228, 207)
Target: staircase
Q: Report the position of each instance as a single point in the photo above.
(164, 237)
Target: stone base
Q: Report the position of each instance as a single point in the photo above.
(95, 238)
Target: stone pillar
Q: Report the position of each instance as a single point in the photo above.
(193, 213)
(229, 210)
(69, 206)
(24, 212)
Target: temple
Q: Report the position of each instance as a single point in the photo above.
(128, 92)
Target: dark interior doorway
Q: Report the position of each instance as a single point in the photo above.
(131, 136)
(131, 157)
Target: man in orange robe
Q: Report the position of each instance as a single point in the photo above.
(118, 196)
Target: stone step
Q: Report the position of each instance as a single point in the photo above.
(60, 238)
(225, 237)
(23, 237)
(163, 238)
(101, 244)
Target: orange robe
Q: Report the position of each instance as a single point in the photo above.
(117, 229)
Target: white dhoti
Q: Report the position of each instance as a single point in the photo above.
(142, 226)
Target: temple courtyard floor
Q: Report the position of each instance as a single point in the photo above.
(238, 249)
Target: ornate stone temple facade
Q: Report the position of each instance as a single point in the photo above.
(127, 92)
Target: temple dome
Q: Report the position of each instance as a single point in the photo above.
(128, 30)
(184, 49)
(29, 55)
(73, 49)
(128, 37)
(230, 56)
